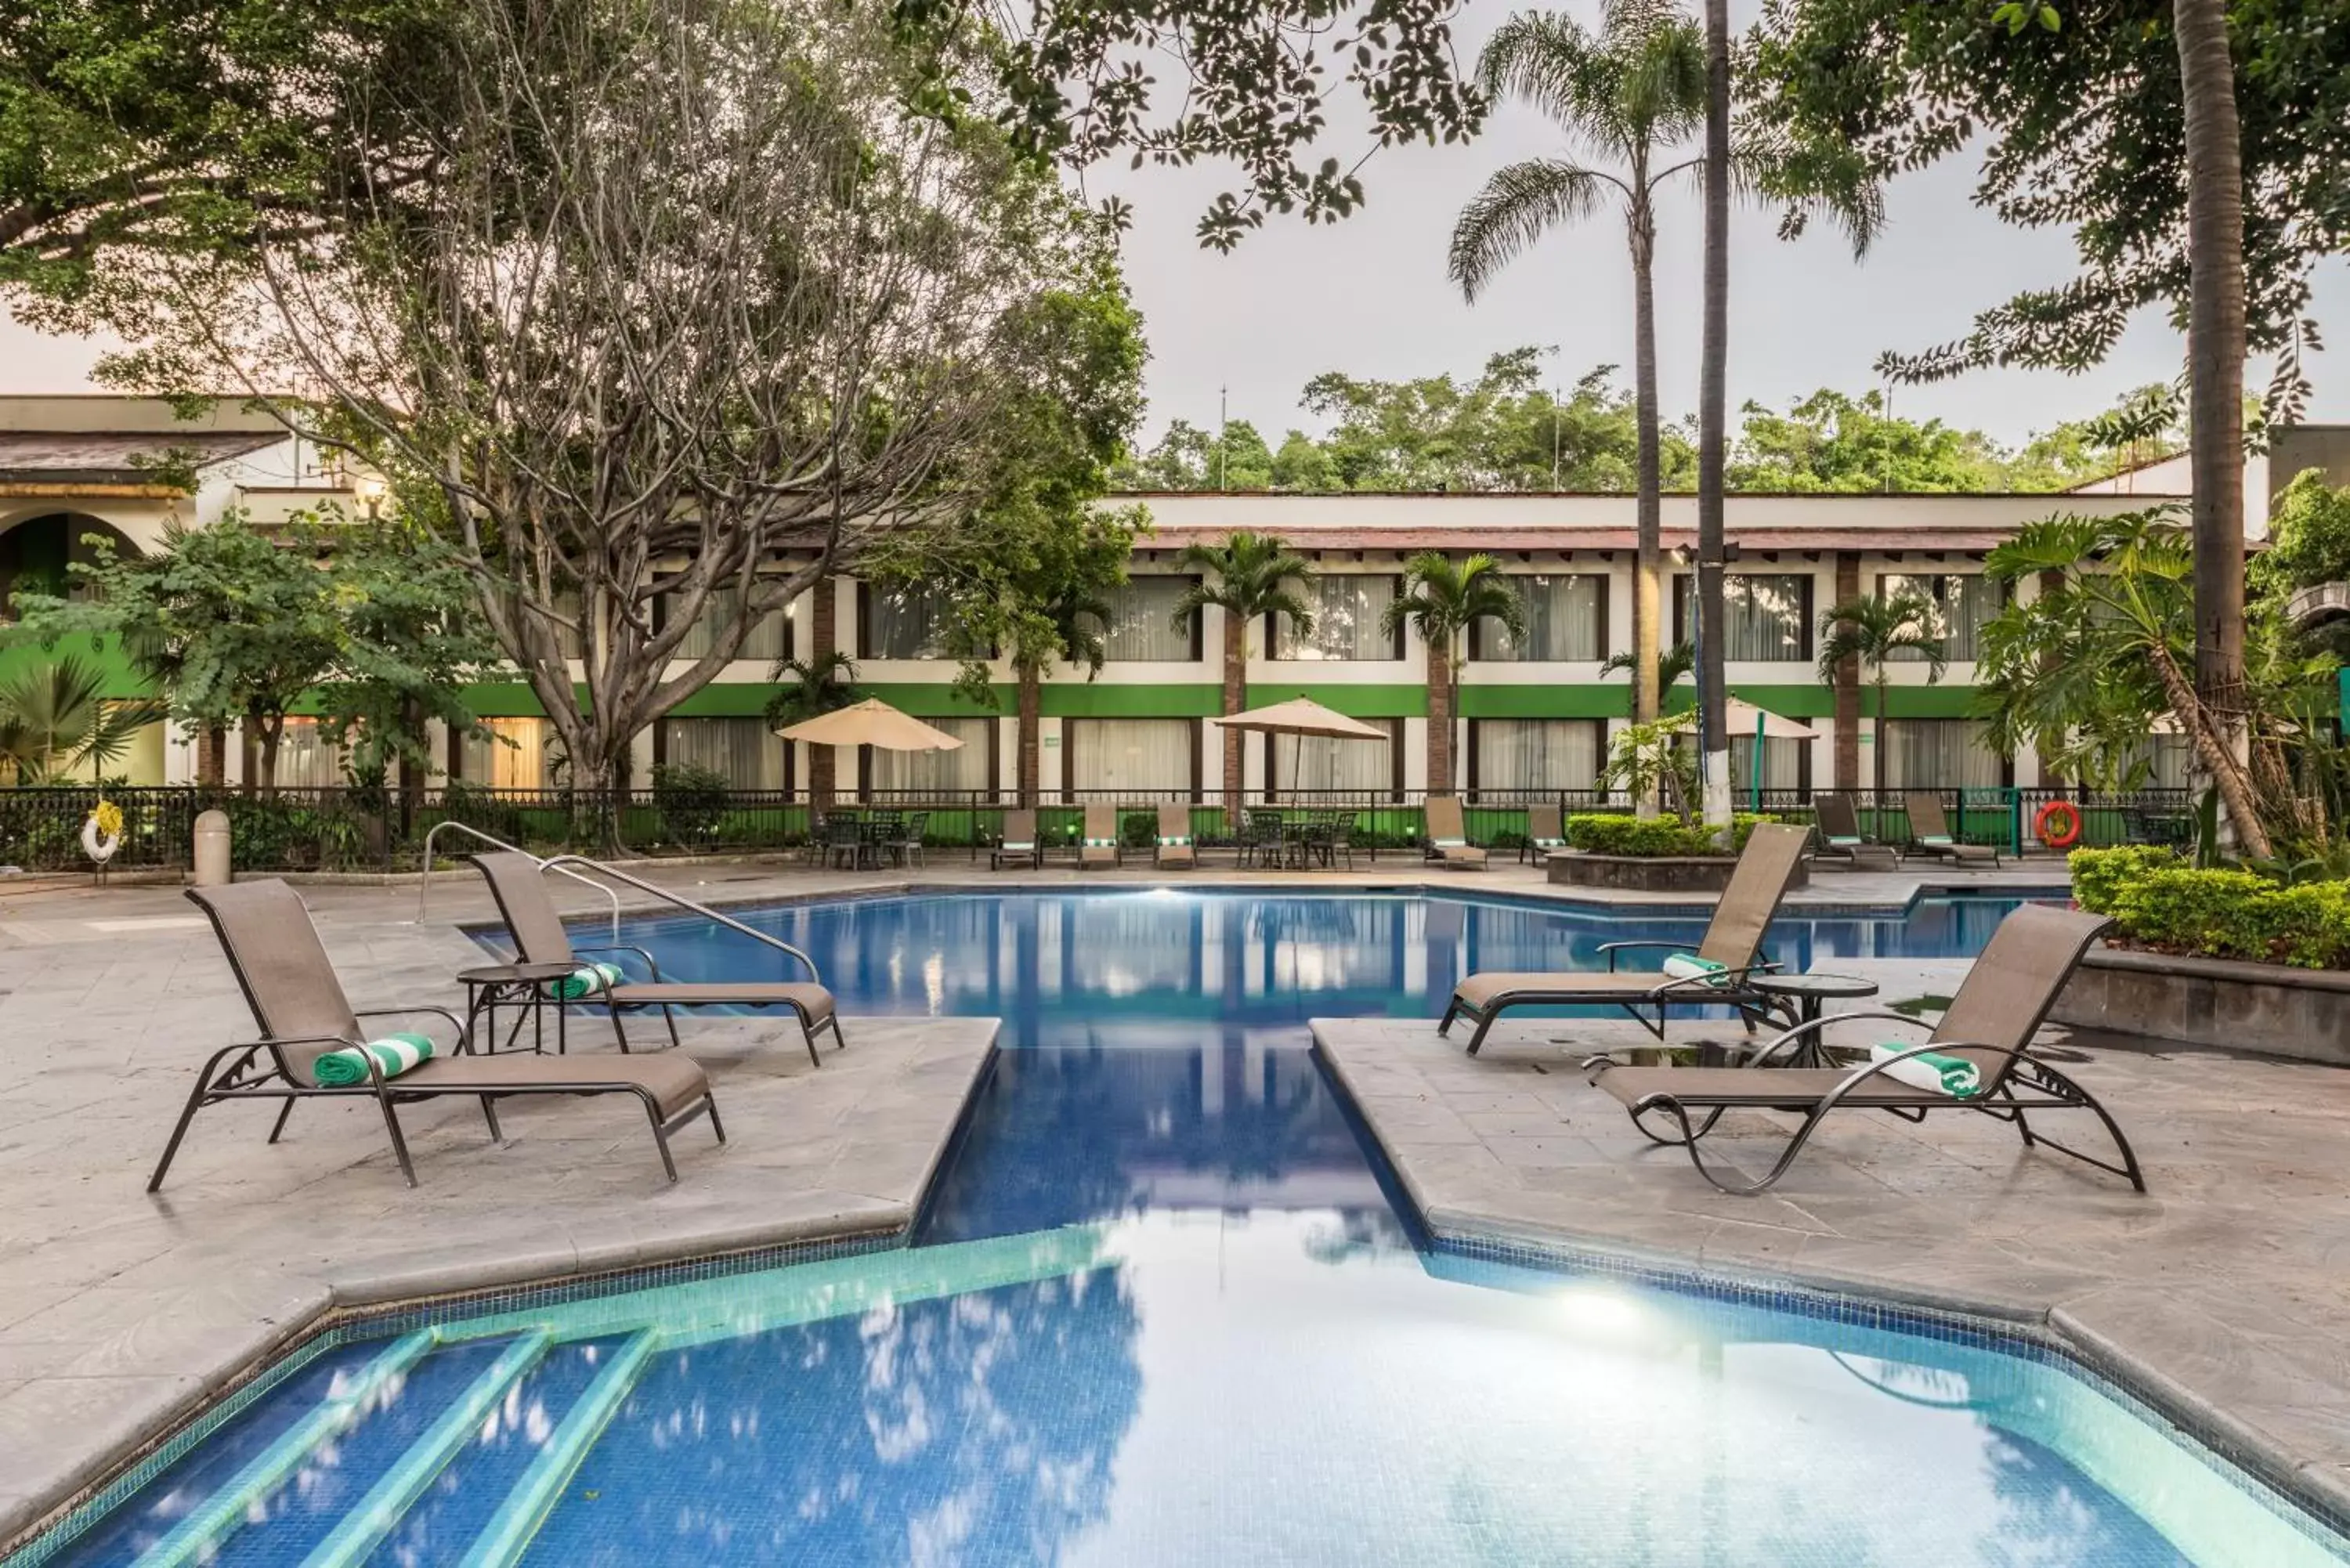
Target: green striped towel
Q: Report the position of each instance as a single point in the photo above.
(1175, 841)
(1937, 839)
(1020, 845)
(1550, 843)
(1101, 843)
(588, 979)
(1689, 966)
(1952, 1076)
(394, 1054)
(1449, 843)
(1845, 840)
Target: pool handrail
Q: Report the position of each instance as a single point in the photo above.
(598, 868)
(424, 883)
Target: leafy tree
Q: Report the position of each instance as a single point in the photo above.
(1872, 630)
(1189, 458)
(1302, 465)
(2309, 536)
(55, 719)
(1832, 442)
(1674, 665)
(807, 688)
(1631, 94)
(1249, 576)
(1442, 598)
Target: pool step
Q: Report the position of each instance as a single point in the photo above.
(508, 1533)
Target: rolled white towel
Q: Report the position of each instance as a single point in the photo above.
(1931, 1071)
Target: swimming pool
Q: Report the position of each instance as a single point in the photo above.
(1160, 1310)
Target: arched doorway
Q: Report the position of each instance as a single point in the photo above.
(36, 552)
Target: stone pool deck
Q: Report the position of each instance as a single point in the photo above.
(2220, 1292)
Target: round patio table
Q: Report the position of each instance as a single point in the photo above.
(521, 987)
(1801, 997)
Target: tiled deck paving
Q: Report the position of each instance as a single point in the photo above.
(117, 1313)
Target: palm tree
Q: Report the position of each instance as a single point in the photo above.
(1673, 666)
(1253, 575)
(1630, 94)
(1712, 426)
(1442, 600)
(1069, 625)
(55, 717)
(1873, 630)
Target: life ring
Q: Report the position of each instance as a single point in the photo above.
(2044, 825)
(96, 844)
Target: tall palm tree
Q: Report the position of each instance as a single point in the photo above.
(1441, 599)
(1712, 426)
(1873, 630)
(1673, 666)
(1066, 627)
(1631, 94)
(1246, 576)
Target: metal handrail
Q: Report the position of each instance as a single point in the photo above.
(564, 862)
(424, 885)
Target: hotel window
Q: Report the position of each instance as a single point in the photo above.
(1323, 762)
(305, 760)
(1786, 763)
(516, 753)
(1535, 753)
(968, 767)
(1143, 627)
(1769, 615)
(1145, 755)
(900, 621)
(769, 639)
(1567, 622)
(2170, 762)
(742, 751)
(1962, 603)
(1940, 753)
(1347, 607)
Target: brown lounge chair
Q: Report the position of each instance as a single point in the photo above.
(539, 937)
(289, 982)
(1177, 847)
(1545, 834)
(1838, 821)
(1017, 845)
(1733, 938)
(1447, 838)
(1099, 844)
(1929, 832)
(1991, 1023)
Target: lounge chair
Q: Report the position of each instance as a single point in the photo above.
(1017, 845)
(1447, 839)
(1838, 821)
(1929, 832)
(1545, 834)
(539, 937)
(1099, 844)
(1730, 951)
(1989, 1025)
(1176, 847)
(299, 1006)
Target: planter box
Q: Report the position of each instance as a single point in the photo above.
(1651, 873)
(2263, 1007)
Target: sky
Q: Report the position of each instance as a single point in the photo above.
(1368, 295)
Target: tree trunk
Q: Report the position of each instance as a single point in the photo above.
(1647, 599)
(1713, 763)
(1031, 710)
(1877, 744)
(1440, 721)
(265, 760)
(823, 639)
(2215, 351)
(2227, 771)
(212, 756)
(1235, 702)
(1847, 684)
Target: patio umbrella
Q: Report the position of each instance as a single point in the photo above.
(1739, 717)
(1301, 717)
(871, 722)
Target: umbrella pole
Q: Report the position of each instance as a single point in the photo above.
(1755, 772)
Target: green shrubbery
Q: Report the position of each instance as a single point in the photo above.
(1613, 834)
(2160, 902)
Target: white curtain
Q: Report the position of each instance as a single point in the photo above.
(1142, 622)
(1322, 761)
(964, 768)
(1939, 753)
(1770, 615)
(1139, 754)
(1962, 601)
(770, 637)
(1535, 753)
(305, 759)
(1783, 761)
(1347, 606)
(742, 751)
(1562, 621)
(905, 622)
(515, 755)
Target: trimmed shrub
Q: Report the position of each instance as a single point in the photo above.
(689, 799)
(1652, 837)
(2098, 874)
(2158, 901)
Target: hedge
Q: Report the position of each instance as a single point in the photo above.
(2160, 902)
(1615, 833)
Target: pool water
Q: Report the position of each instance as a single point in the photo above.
(1161, 1309)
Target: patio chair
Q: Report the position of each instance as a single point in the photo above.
(1017, 844)
(1989, 1026)
(1715, 975)
(1447, 839)
(298, 1005)
(1840, 838)
(1545, 834)
(1099, 844)
(1175, 847)
(1929, 832)
(906, 842)
(539, 937)
(1263, 838)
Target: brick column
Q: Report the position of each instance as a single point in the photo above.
(1848, 684)
(821, 637)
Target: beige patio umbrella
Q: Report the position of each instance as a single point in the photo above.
(871, 722)
(1301, 717)
(1741, 717)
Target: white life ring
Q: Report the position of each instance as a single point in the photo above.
(95, 844)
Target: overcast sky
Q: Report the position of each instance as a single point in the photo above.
(1368, 295)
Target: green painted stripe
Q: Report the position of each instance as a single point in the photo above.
(1356, 699)
(228, 1508)
(366, 1525)
(1143, 700)
(508, 1534)
(1589, 701)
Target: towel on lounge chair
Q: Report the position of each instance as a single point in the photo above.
(1689, 966)
(394, 1054)
(588, 979)
(1953, 1075)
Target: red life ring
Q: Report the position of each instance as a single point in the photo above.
(2059, 838)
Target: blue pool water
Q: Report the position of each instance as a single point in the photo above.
(1161, 1309)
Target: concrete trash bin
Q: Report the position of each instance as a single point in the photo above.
(212, 849)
